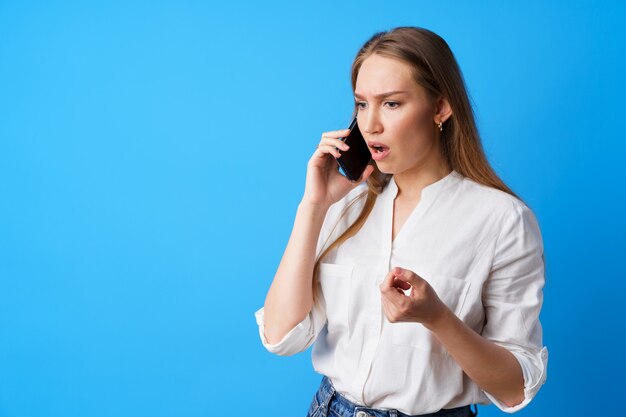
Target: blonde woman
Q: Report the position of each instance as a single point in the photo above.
(421, 285)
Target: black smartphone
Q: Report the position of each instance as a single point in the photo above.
(353, 162)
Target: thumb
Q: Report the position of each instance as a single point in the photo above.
(406, 275)
(366, 174)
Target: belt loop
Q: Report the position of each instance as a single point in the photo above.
(474, 413)
(328, 398)
(393, 413)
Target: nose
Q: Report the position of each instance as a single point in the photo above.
(369, 122)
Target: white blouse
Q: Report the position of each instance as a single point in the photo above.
(482, 252)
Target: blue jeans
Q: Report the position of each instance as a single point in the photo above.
(329, 403)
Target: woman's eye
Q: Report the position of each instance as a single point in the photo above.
(390, 104)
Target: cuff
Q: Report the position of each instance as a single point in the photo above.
(293, 342)
(535, 374)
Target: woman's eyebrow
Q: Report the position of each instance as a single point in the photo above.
(382, 95)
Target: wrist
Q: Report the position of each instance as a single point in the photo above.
(308, 205)
(440, 319)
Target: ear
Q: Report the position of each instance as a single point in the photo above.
(443, 111)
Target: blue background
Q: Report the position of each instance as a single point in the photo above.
(152, 156)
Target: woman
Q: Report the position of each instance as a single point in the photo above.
(421, 286)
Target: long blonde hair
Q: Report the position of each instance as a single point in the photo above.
(436, 70)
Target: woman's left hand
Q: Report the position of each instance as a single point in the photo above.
(422, 305)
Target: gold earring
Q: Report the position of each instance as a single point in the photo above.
(440, 125)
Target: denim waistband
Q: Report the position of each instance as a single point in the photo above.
(327, 398)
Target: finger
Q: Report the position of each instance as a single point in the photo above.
(392, 295)
(366, 174)
(389, 310)
(387, 283)
(398, 283)
(389, 288)
(336, 133)
(334, 142)
(324, 149)
(406, 275)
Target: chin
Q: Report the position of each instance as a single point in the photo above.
(385, 167)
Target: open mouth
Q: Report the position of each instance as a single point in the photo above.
(378, 147)
(379, 152)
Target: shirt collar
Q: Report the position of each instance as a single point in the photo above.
(430, 191)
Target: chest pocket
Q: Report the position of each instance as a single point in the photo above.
(453, 292)
(336, 286)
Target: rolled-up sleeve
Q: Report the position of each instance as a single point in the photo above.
(512, 298)
(303, 334)
(300, 337)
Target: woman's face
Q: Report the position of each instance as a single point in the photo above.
(400, 128)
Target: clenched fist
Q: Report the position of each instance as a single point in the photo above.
(422, 304)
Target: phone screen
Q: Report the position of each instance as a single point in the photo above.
(353, 162)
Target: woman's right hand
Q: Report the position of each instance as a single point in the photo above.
(324, 184)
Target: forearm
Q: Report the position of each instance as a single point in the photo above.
(491, 366)
(290, 297)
